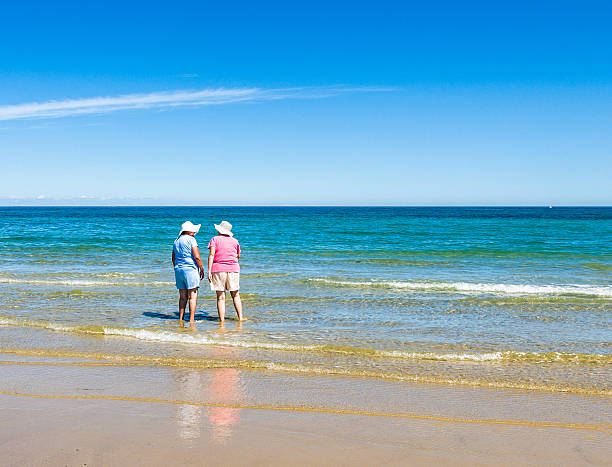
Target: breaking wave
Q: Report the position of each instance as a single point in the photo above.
(471, 288)
(159, 335)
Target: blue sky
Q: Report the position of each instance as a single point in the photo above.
(392, 103)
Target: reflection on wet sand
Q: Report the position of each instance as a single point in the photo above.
(221, 385)
(225, 388)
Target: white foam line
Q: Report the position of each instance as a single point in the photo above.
(475, 357)
(461, 287)
(81, 283)
(165, 336)
(466, 287)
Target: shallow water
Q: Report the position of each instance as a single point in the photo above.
(497, 296)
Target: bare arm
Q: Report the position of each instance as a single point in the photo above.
(211, 256)
(195, 251)
(173, 258)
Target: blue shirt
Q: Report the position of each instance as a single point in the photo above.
(183, 256)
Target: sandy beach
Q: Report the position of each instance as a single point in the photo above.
(74, 411)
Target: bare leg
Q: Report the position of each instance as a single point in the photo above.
(237, 303)
(221, 305)
(182, 303)
(193, 301)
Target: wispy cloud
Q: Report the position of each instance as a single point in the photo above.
(106, 104)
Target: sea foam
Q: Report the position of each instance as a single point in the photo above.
(471, 288)
(159, 335)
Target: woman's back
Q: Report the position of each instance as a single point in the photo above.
(227, 250)
(183, 256)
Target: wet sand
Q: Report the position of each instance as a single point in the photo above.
(77, 411)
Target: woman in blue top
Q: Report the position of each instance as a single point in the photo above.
(188, 269)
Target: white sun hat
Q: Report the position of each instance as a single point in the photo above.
(224, 228)
(188, 226)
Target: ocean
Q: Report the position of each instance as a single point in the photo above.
(516, 298)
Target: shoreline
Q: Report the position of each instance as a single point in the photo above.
(248, 365)
(178, 348)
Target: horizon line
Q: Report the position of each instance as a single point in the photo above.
(547, 206)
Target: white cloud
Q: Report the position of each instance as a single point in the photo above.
(98, 105)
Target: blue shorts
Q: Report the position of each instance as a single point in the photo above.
(187, 278)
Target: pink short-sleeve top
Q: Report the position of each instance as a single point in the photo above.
(227, 250)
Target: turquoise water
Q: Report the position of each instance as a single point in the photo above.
(382, 287)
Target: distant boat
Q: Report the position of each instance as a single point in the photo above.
(549, 207)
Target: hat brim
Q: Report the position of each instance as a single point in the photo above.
(223, 231)
(194, 229)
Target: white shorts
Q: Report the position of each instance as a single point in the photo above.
(222, 281)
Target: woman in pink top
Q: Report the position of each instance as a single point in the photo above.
(223, 268)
